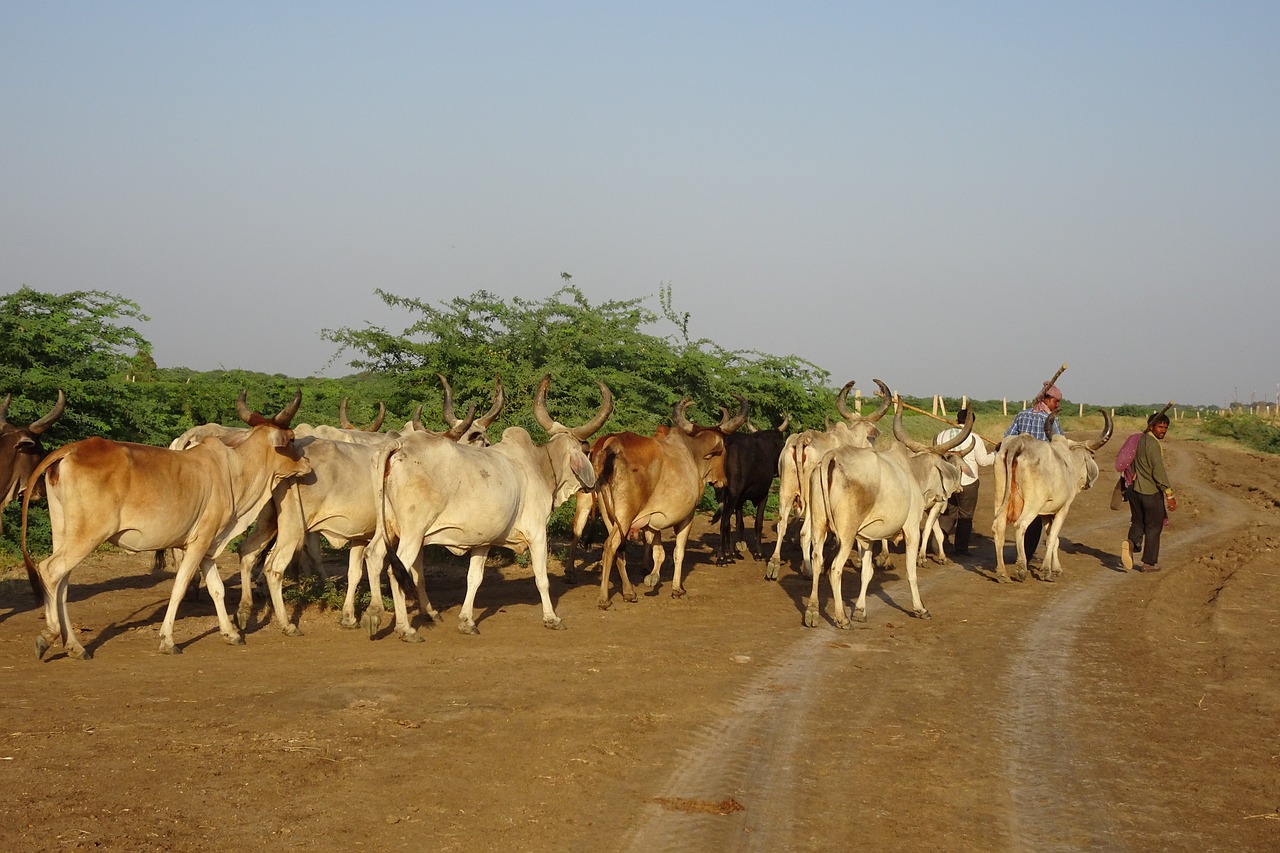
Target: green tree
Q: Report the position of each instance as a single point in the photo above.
(85, 343)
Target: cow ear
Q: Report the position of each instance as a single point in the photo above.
(582, 469)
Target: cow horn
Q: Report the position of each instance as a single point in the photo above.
(417, 419)
(959, 439)
(342, 416)
(540, 413)
(285, 416)
(849, 416)
(1048, 426)
(242, 406)
(47, 421)
(727, 424)
(377, 422)
(1095, 445)
(591, 427)
(901, 434)
(786, 422)
(498, 399)
(678, 418)
(884, 407)
(373, 427)
(446, 408)
(459, 427)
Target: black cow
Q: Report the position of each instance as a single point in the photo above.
(20, 449)
(750, 464)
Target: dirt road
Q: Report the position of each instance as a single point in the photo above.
(1106, 711)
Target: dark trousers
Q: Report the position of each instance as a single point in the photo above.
(957, 520)
(1146, 522)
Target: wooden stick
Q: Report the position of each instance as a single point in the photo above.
(1045, 389)
(907, 405)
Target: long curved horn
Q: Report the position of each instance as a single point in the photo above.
(498, 399)
(591, 427)
(284, 417)
(446, 408)
(901, 435)
(727, 424)
(1048, 426)
(242, 406)
(947, 446)
(884, 407)
(540, 413)
(786, 422)
(342, 416)
(1095, 445)
(417, 419)
(851, 417)
(678, 418)
(377, 422)
(47, 421)
(459, 427)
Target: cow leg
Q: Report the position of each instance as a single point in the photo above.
(868, 569)
(677, 559)
(408, 554)
(1052, 565)
(375, 560)
(997, 535)
(475, 576)
(355, 570)
(614, 549)
(538, 557)
(249, 550)
(779, 530)
(835, 577)
(217, 592)
(757, 552)
(585, 502)
(657, 556)
(55, 578)
(913, 551)
(814, 531)
(1020, 542)
(933, 532)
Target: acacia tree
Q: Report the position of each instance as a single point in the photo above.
(85, 343)
(470, 339)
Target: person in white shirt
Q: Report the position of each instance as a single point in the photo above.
(957, 520)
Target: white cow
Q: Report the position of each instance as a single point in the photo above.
(469, 499)
(1035, 477)
(861, 495)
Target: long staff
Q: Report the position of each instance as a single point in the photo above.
(1047, 385)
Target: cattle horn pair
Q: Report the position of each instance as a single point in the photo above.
(484, 420)
(916, 447)
(1093, 445)
(734, 423)
(282, 418)
(854, 417)
(37, 427)
(582, 432)
(373, 427)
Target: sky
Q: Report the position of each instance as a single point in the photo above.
(953, 197)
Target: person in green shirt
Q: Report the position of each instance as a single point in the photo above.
(1150, 498)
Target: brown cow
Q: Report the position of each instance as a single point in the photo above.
(145, 498)
(20, 449)
(650, 483)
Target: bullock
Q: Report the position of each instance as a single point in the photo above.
(651, 483)
(435, 491)
(801, 453)
(750, 466)
(1035, 477)
(21, 450)
(937, 473)
(860, 494)
(145, 498)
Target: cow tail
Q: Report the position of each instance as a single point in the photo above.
(1011, 500)
(33, 574)
(381, 468)
(828, 480)
(603, 462)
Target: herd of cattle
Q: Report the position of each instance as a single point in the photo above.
(389, 494)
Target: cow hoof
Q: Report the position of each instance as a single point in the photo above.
(468, 628)
(235, 639)
(811, 618)
(348, 622)
(771, 570)
(435, 616)
(371, 622)
(629, 597)
(292, 631)
(556, 624)
(412, 637)
(677, 593)
(651, 580)
(844, 625)
(604, 605)
(1003, 578)
(42, 646)
(167, 648)
(80, 654)
(922, 613)
(859, 616)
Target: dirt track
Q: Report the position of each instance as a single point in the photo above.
(1105, 711)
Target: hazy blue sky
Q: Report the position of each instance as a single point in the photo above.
(954, 197)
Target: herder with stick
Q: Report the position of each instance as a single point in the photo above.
(1031, 422)
(1150, 497)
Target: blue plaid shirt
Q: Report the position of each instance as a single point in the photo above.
(1031, 422)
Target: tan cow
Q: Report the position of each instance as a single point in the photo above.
(145, 498)
(800, 454)
(647, 484)
(469, 499)
(1035, 477)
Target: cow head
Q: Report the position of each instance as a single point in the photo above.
(278, 433)
(865, 429)
(1087, 471)
(707, 445)
(475, 433)
(568, 444)
(21, 450)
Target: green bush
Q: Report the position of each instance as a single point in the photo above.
(1250, 430)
